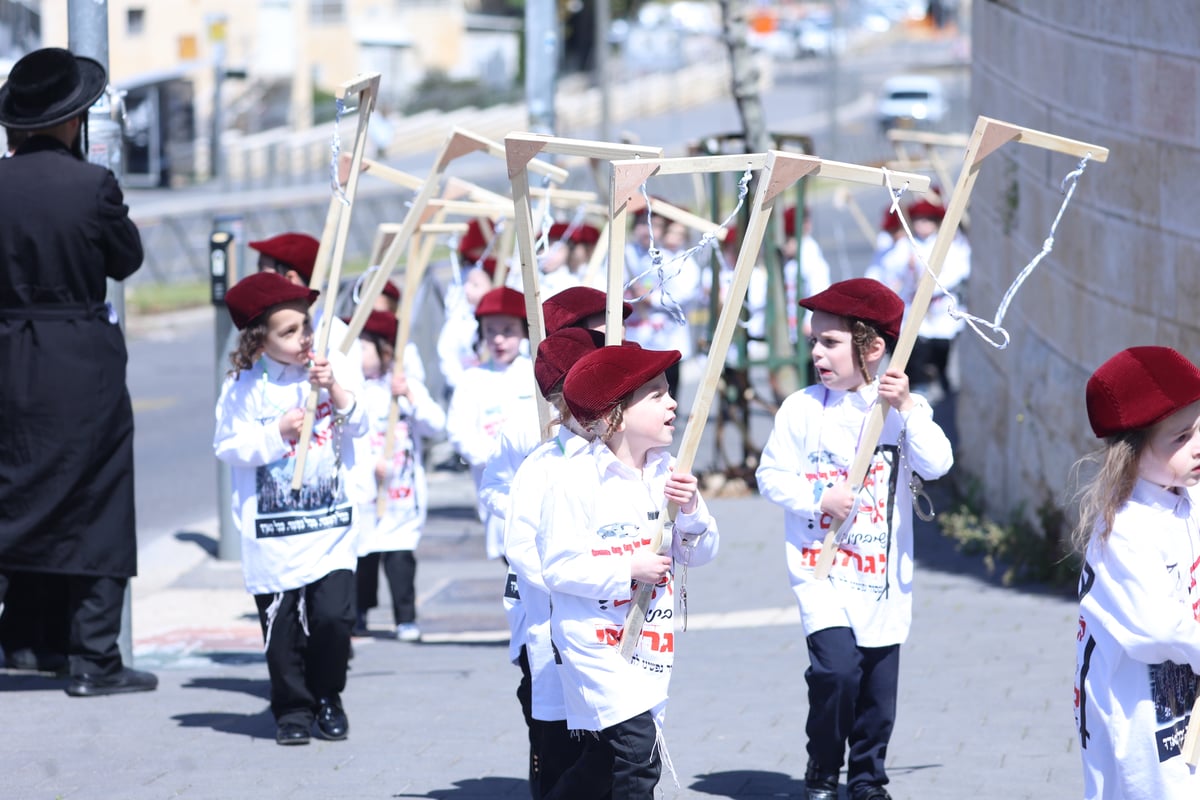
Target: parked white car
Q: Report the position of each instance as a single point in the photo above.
(916, 101)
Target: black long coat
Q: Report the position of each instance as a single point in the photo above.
(66, 423)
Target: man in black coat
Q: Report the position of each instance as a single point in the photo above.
(66, 442)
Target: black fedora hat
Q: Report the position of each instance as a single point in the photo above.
(49, 86)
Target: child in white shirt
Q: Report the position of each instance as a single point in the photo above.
(594, 537)
(498, 392)
(551, 747)
(391, 541)
(856, 619)
(298, 553)
(1139, 605)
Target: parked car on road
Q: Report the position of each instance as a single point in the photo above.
(913, 101)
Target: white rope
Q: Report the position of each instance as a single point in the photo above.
(335, 147)
(657, 264)
(978, 324)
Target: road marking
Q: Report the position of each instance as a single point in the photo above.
(154, 403)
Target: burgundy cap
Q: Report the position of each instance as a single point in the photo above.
(1139, 387)
(501, 301)
(256, 294)
(599, 380)
(861, 298)
(585, 234)
(381, 324)
(489, 266)
(473, 242)
(558, 230)
(572, 306)
(296, 250)
(559, 351)
(923, 209)
(891, 221)
(391, 290)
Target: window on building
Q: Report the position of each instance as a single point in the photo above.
(135, 21)
(327, 10)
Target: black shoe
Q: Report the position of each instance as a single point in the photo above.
(127, 680)
(291, 733)
(869, 791)
(819, 785)
(331, 720)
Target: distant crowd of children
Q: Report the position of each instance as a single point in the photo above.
(572, 509)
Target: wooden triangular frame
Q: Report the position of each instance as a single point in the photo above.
(520, 148)
(989, 135)
(779, 170)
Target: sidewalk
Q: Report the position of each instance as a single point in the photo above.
(984, 707)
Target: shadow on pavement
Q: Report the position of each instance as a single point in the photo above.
(205, 542)
(260, 688)
(30, 682)
(255, 726)
(477, 789)
(748, 784)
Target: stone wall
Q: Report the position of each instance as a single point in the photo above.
(1124, 270)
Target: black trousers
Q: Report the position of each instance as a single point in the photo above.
(851, 700)
(95, 603)
(37, 615)
(555, 750)
(400, 567)
(621, 762)
(929, 361)
(305, 669)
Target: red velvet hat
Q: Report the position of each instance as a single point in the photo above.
(256, 294)
(891, 221)
(1139, 387)
(789, 221)
(381, 324)
(558, 230)
(503, 300)
(601, 379)
(559, 351)
(573, 305)
(861, 298)
(391, 290)
(473, 242)
(923, 209)
(296, 250)
(489, 266)
(585, 234)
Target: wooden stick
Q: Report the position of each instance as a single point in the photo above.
(367, 88)
(1191, 739)
(414, 272)
(504, 251)
(598, 253)
(988, 136)
(843, 199)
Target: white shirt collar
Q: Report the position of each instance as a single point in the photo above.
(1158, 497)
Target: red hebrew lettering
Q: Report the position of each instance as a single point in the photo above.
(668, 643)
(1082, 629)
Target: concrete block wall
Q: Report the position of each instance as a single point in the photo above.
(1125, 269)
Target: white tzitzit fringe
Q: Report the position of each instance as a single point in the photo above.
(273, 612)
(660, 745)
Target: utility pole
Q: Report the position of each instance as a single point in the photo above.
(216, 35)
(541, 63)
(87, 35)
(600, 51)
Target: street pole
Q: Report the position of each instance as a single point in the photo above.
(216, 35)
(87, 35)
(600, 49)
(226, 254)
(541, 63)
